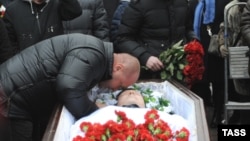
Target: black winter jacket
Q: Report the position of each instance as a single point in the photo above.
(93, 21)
(149, 27)
(28, 23)
(63, 67)
(4, 42)
(5, 2)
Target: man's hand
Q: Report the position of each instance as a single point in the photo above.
(223, 51)
(154, 64)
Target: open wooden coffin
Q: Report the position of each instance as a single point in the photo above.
(185, 103)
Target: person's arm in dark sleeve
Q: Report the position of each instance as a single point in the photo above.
(101, 25)
(5, 45)
(69, 9)
(116, 19)
(74, 81)
(14, 46)
(78, 103)
(190, 34)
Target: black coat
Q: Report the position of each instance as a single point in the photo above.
(93, 21)
(149, 27)
(4, 42)
(5, 2)
(28, 23)
(63, 67)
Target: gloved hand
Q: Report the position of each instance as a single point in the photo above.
(223, 51)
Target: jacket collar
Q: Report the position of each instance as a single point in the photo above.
(31, 5)
(109, 53)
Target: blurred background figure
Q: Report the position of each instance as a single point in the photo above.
(214, 63)
(242, 85)
(110, 6)
(116, 20)
(29, 22)
(93, 21)
(5, 2)
(149, 27)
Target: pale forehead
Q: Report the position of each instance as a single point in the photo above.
(130, 90)
(38, 0)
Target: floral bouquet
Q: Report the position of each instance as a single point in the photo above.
(183, 62)
(125, 129)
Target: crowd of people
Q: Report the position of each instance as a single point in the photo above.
(56, 50)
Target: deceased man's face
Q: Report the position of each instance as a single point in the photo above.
(129, 97)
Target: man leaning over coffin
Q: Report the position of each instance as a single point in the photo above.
(60, 69)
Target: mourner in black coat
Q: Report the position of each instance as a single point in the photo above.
(149, 27)
(31, 21)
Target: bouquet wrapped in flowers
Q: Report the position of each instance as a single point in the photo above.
(183, 62)
(125, 129)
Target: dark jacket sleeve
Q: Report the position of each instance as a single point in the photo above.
(190, 34)
(69, 9)
(116, 20)
(79, 72)
(72, 87)
(78, 103)
(6, 50)
(101, 25)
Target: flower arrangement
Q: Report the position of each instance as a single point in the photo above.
(155, 100)
(124, 129)
(183, 62)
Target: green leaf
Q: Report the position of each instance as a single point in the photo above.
(144, 67)
(108, 133)
(129, 138)
(151, 127)
(178, 44)
(171, 69)
(146, 99)
(181, 66)
(104, 138)
(152, 99)
(163, 75)
(148, 91)
(157, 131)
(168, 59)
(163, 102)
(136, 87)
(179, 75)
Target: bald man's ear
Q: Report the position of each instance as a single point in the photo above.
(118, 67)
